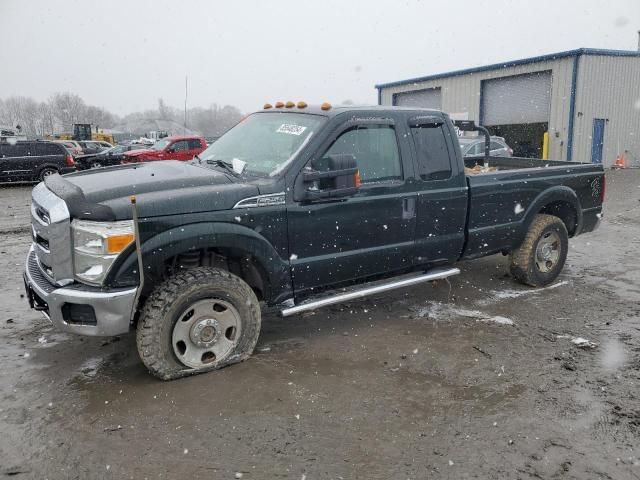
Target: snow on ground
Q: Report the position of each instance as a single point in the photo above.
(498, 295)
(447, 311)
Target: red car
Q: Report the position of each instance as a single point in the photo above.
(182, 148)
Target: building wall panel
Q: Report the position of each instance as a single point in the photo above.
(461, 96)
(608, 88)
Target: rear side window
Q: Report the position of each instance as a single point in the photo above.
(432, 151)
(49, 149)
(194, 144)
(180, 146)
(496, 145)
(19, 150)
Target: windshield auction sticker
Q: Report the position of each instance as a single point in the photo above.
(291, 129)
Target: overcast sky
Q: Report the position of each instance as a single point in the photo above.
(124, 55)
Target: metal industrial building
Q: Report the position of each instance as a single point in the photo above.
(581, 105)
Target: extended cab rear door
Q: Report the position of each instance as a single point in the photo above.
(368, 233)
(441, 188)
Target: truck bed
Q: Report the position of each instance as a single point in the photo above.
(517, 163)
(502, 201)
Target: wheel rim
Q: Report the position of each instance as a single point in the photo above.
(46, 173)
(96, 165)
(206, 333)
(548, 252)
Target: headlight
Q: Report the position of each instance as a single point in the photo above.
(96, 245)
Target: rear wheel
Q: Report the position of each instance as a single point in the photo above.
(95, 164)
(45, 172)
(540, 258)
(198, 320)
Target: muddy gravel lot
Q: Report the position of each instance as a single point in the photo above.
(479, 377)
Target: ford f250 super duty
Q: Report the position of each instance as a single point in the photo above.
(297, 207)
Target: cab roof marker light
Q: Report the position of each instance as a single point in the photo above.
(267, 106)
(279, 104)
(290, 104)
(302, 104)
(325, 106)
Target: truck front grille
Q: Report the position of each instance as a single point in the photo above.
(51, 231)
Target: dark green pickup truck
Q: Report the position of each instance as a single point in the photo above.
(288, 205)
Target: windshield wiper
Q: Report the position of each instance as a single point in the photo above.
(224, 164)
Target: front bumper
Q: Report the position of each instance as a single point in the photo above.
(78, 308)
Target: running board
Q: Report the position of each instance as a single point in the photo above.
(435, 274)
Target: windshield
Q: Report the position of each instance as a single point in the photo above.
(160, 144)
(116, 149)
(265, 141)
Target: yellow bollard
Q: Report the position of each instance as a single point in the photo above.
(545, 146)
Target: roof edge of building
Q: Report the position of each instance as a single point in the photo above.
(514, 63)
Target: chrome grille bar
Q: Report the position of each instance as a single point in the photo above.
(51, 231)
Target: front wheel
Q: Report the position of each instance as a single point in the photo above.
(198, 320)
(540, 258)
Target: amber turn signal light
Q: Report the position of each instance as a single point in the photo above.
(356, 179)
(117, 243)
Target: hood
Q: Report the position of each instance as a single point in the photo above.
(135, 153)
(161, 188)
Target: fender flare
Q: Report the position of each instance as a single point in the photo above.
(559, 193)
(169, 243)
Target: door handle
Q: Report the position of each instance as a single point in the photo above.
(408, 208)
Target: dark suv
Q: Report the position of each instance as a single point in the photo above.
(29, 161)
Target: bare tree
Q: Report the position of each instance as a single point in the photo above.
(68, 108)
(62, 110)
(166, 112)
(98, 117)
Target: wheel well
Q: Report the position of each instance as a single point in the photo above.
(566, 212)
(236, 261)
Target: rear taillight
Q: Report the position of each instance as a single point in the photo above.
(69, 160)
(604, 185)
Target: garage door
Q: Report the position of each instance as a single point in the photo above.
(517, 99)
(428, 98)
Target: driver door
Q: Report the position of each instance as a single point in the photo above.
(369, 233)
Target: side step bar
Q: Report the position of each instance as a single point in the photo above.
(435, 274)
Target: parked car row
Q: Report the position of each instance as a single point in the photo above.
(33, 160)
(107, 158)
(84, 147)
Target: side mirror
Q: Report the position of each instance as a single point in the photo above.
(331, 177)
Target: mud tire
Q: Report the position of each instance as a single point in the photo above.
(523, 260)
(163, 307)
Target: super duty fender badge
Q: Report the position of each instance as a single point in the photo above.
(262, 201)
